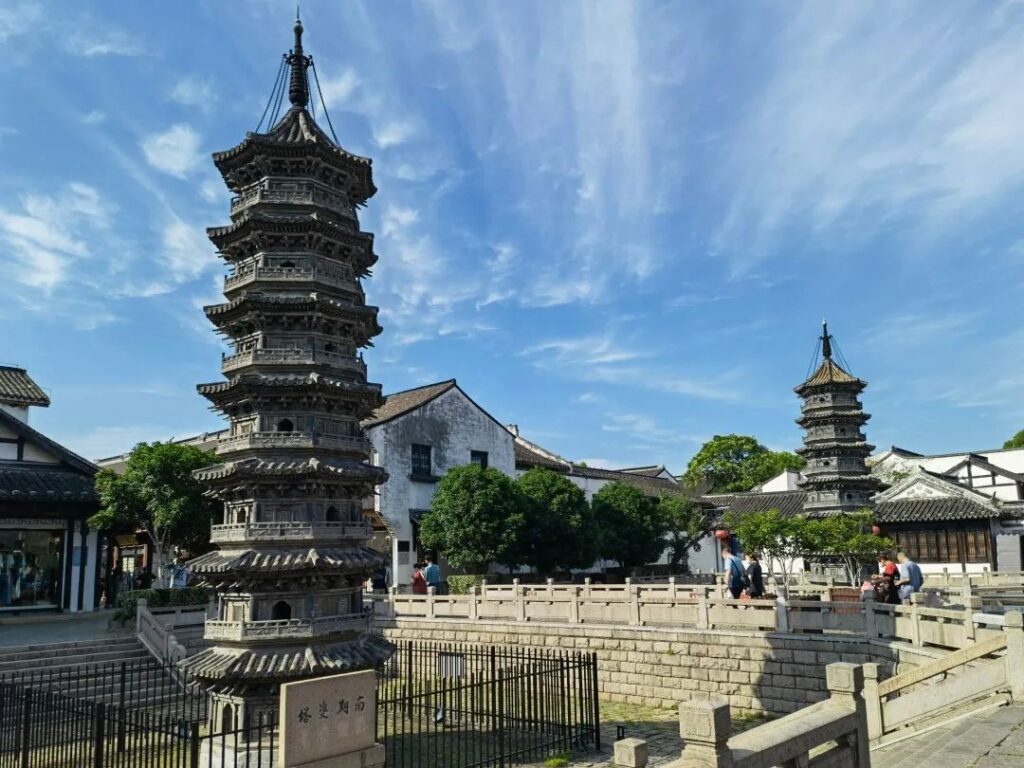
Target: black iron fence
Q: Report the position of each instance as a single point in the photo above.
(449, 705)
(467, 706)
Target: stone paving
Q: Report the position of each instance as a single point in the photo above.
(31, 629)
(992, 739)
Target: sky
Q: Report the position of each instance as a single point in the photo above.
(617, 225)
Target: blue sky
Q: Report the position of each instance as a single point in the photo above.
(616, 224)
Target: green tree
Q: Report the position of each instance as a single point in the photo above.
(778, 539)
(157, 493)
(1017, 441)
(559, 530)
(476, 518)
(849, 538)
(731, 463)
(631, 526)
(687, 523)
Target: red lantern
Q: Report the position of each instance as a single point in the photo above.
(877, 530)
(721, 534)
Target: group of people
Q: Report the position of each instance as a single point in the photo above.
(743, 577)
(428, 574)
(894, 583)
(891, 584)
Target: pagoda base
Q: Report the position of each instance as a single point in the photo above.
(229, 755)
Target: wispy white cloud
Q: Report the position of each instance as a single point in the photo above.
(94, 117)
(17, 18)
(872, 117)
(194, 91)
(174, 151)
(102, 39)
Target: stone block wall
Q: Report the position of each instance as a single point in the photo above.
(659, 667)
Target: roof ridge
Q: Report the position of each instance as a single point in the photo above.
(70, 457)
(422, 386)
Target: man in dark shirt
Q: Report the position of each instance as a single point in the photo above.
(755, 579)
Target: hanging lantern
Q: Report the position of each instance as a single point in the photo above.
(721, 534)
(876, 529)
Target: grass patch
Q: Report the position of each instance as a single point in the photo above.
(558, 761)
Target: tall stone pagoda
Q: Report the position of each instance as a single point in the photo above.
(294, 469)
(836, 478)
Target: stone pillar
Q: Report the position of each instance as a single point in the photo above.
(631, 753)
(520, 598)
(574, 604)
(846, 687)
(873, 703)
(915, 618)
(1014, 629)
(870, 628)
(551, 587)
(781, 614)
(430, 601)
(705, 727)
(703, 621)
(633, 591)
(473, 611)
(140, 605)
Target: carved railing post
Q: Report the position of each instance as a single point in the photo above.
(141, 607)
(574, 604)
(846, 688)
(551, 587)
(586, 588)
(633, 592)
(705, 727)
(873, 703)
(672, 589)
(915, 618)
(430, 602)
(703, 621)
(986, 576)
(781, 614)
(945, 576)
(870, 627)
(520, 598)
(473, 612)
(1014, 629)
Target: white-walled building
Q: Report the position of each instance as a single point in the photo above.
(50, 559)
(417, 436)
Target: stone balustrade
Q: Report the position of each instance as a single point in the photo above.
(697, 607)
(833, 732)
(296, 194)
(155, 629)
(357, 443)
(284, 629)
(292, 357)
(288, 531)
(334, 277)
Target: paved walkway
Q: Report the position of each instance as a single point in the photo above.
(56, 628)
(992, 739)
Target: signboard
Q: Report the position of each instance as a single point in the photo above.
(327, 717)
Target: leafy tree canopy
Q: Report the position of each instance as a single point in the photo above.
(157, 493)
(476, 518)
(687, 523)
(1017, 441)
(731, 463)
(631, 526)
(849, 538)
(559, 530)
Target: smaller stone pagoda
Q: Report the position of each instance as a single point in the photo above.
(836, 478)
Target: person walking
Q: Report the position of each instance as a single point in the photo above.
(910, 577)
(734, 575)
(755, 577)
(432, 573)
(885, 580)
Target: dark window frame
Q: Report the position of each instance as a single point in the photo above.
(480, 458)
(421, 461)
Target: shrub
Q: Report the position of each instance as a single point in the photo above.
(461, 584)
(127, 602)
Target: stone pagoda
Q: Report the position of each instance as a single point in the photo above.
(294, 468)
(836, 478)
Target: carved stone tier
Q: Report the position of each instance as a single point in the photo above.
(239, 533)
(291, 357)
(286, 629)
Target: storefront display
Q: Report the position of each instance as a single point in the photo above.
(30, 568)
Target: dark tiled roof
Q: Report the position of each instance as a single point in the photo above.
(652, 486)
(526, 458)
(281, 560)
(25, 481)
(789, 503)
(652, 471)
(830, 373)
(400, 403)
(235, 664)
(334, 468)
(17, 388)
(932, 510)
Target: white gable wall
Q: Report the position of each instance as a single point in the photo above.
(452, 425)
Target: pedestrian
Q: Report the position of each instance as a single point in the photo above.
(910, 577)
(885, 580)
(116, 579)
(735, 578)
(755, 577)
(432, 573)
(419, 583)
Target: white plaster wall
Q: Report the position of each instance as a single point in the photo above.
(35, 453)
(20, 412)
(452, 426)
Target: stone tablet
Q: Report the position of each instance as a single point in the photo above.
(327, 717)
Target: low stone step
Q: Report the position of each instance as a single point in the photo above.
(28, 663)
(44, 650)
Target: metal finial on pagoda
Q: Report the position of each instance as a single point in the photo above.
(836, 477)
(295, 467)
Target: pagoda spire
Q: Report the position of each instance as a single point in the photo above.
(826, 341)
(298, 85)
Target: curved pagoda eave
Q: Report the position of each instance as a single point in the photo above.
(293, 561)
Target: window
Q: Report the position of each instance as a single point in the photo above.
(479, 458)
(945, 545)
(281, 611)
(285, 425)
(421, 466)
